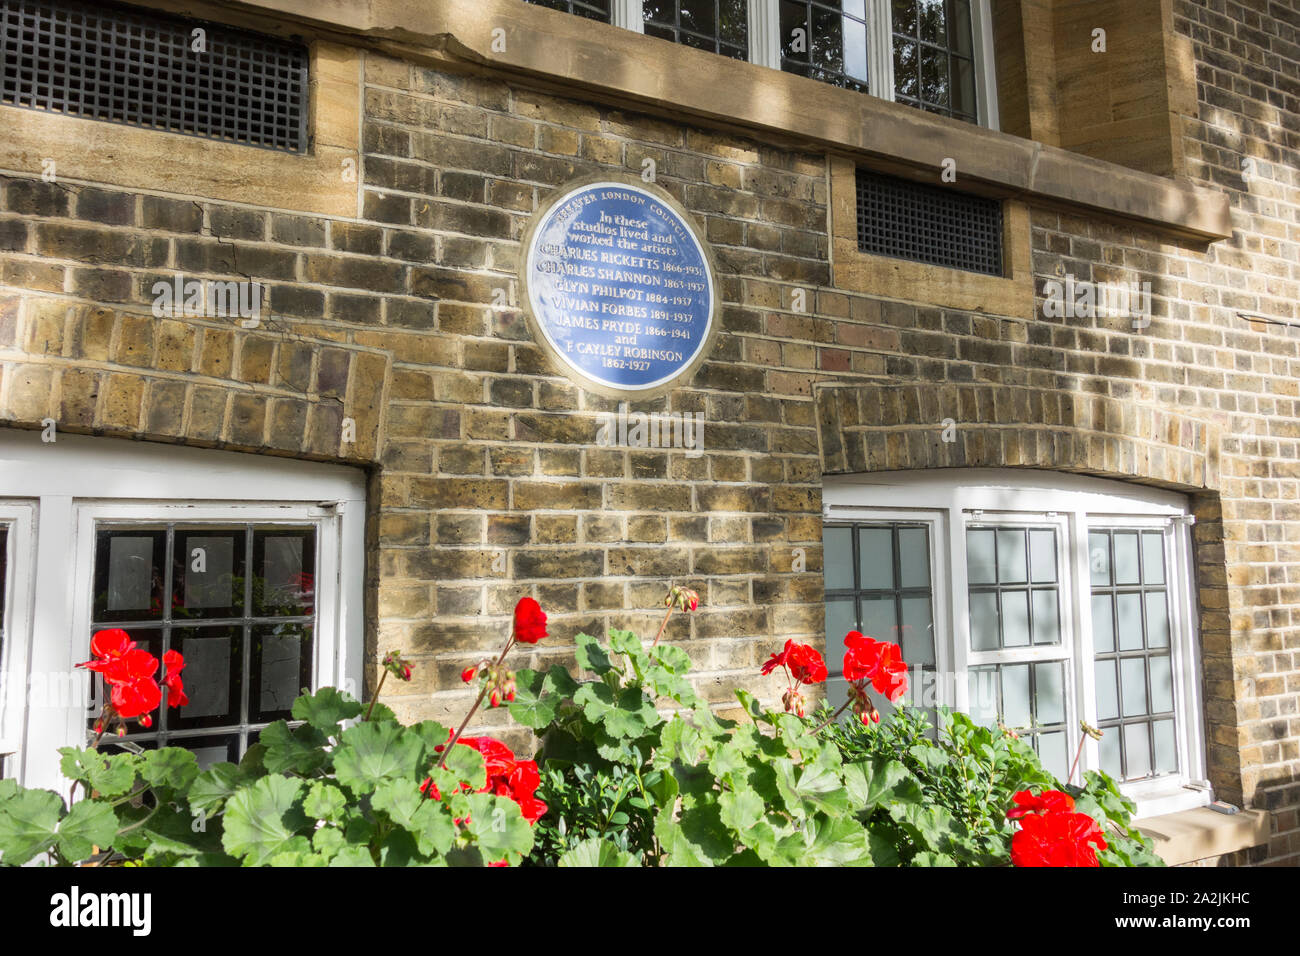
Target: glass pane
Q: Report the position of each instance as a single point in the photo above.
(840, 619)
(903, 15)
(1015, 618)
(1049, 692)
(1108, 750)
(286, 561)
(213, 676)
(1047, 616)
(880, 619)
(1162, 684)
(982, 694)
(1157, 619)
(129, 575)
(934, 76)
(876, 559)
(1099, 558)
(1133, 684)
(697, 15)
(1103, 624)
(281, 669)
(933, 23)
(907, 69)
(1137, 750)
(1012, 561)
(734, 26)
(1126, 557)
(1166, 751)
(1052, 752)
(963, 87)
(1015, 695)
(1042, 555)
(1153, 557)
(855, 49)
(914, 557)
(827, 40)
(794, 31)
(959, 27)
(918, 632)
(981, 562)
(1107, 693)
(208, 574)
(983, 621)
(837, 558)
(210, 750)
(1128, 608)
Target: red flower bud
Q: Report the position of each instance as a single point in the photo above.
(495, 698)
(469, 673)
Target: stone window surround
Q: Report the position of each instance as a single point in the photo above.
(594, 61)
(88, 150)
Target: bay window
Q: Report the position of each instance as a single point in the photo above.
(1052, 601)
(935, 55)
(250, 566)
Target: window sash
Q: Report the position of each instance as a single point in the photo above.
(1078, 504)
(765, 46)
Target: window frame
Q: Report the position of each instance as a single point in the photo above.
(765, 46)
(75, 480)
(19, 515)
(1080, 503)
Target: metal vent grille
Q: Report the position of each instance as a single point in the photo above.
(909, 220)
(126, 65)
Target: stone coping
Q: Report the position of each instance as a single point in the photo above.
(1202, 833)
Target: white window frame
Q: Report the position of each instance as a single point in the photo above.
(765, 46)
(76, 481)
(953, 497)
(19, 516)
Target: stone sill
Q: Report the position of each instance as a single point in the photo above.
(568, 55)
(1191, 835)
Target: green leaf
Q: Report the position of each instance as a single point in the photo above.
(531, 707)
(300, 750)
(596, 852)
(591, 656)
(29, 825)
(426, 820)
(214, 786)
(699, 838)
(89, 824)
(353, 856)
(263, 820)
(111, 776)
(672, 657)
(625, 714)
(559, 681)
(625, 642)
(466, 764)
(749, 703)
(498, 827)
(326, 709)
(172, 767)
(371, 752)
(742, 809)
(870, 784)
(324, 801)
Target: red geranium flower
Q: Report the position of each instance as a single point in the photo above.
(805, 664)
(877, 661)
(1059, 838)
(1049, 801)
(506, 777)
(174, 663)
(530, 621)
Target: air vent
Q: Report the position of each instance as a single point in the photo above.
(942, 227)
(126, 65)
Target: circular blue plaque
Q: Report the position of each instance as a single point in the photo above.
(620, 285)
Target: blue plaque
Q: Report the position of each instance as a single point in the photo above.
(621, 287)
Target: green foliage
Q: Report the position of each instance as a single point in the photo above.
(314, 794)
(966, 776)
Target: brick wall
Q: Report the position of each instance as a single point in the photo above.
(488, 482)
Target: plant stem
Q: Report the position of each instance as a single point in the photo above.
(663, 625)
(1077, 754)
(464, 723)
(833, 717)
(370, 709)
